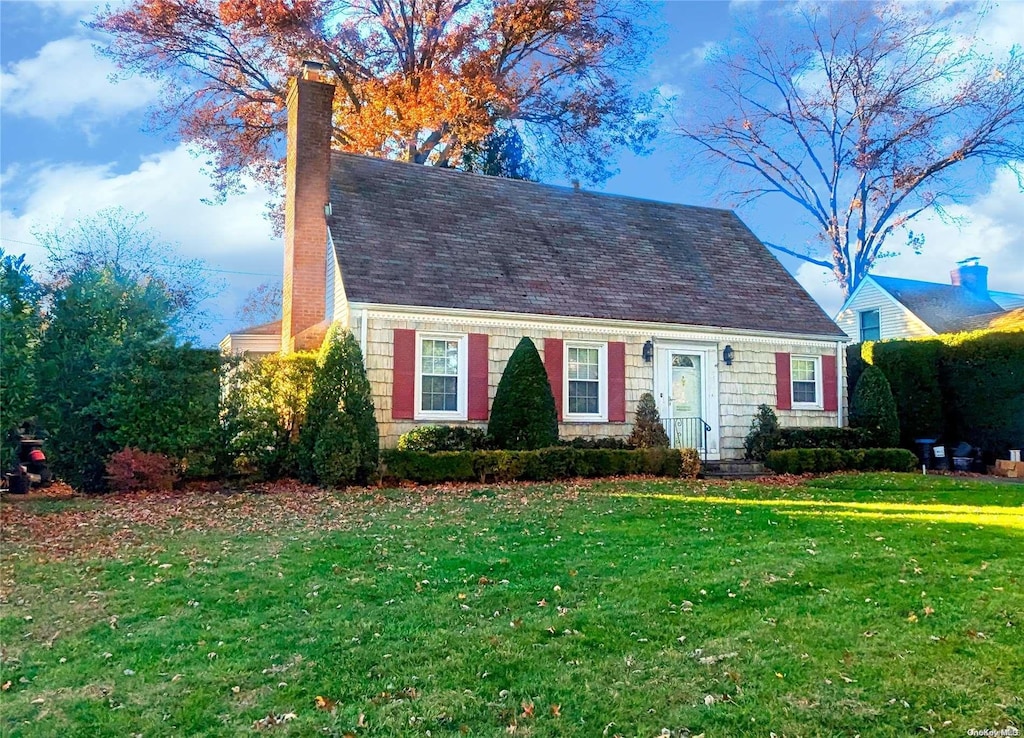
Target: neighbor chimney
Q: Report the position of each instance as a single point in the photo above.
(972, 276)
(307, 175)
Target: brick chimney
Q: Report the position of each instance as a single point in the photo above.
(972, 276)
(307, 176)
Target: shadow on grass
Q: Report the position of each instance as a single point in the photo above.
(977, 515)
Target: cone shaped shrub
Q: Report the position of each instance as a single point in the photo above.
(523, 415)
(648, 432)
(874, 409)
(339, 442)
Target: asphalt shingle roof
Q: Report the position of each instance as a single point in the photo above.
(413, 235)
(944, 308)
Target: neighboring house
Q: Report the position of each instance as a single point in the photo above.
(440, 273)
(889, 307)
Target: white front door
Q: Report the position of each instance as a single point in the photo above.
(687, 393)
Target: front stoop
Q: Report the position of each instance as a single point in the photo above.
(733, 469)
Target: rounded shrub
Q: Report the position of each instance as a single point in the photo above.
(443, 438)
(523, 415)
(648, 432)
(874, 409)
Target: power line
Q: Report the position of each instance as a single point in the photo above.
(158, 263)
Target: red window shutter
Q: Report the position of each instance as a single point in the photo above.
(616, 382)
(478, 369)
(553, 363)
(830, 382)
(403, 388)
(783, 387)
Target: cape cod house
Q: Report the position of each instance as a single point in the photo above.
(891, 307)
(440, 273)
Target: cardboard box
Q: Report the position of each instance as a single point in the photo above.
(1011, 469)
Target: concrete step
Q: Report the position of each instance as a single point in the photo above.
(733, 469)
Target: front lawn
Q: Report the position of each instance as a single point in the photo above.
(884, 605)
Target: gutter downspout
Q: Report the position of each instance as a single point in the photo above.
(362, 332)
(840, 362)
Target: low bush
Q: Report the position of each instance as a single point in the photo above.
(823, 460)
(443, 438)
(132, 470)
(544, 464)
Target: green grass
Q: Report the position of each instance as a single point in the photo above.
(884, 605)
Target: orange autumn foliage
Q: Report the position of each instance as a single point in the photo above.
(418, 81)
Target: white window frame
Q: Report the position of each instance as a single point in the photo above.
(601, 416)
(860, 323)
(462, 404)
(818, 403)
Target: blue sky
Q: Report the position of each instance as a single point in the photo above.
(72, 142)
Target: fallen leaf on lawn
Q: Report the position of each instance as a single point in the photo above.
(361, 722)
(780, 675)
(556, 711)
(709, 700)
(847, 679)
(542, 603)
(912, 617)
(929, 610)
(7, 685)
(324, 703)
(527, 709)
(711, 660)
(236, 689)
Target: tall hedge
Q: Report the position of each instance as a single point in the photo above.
(912, 368)
(111, 376)
(874, 409)
(340, 443)
(523, 415)
(961, 387)
(982, 376)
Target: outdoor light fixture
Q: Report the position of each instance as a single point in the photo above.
(727, 355)
(649, 351)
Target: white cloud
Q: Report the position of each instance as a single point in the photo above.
(167, 188)
(66, 78)
(991, 227)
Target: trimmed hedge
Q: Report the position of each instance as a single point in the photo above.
(912, 368)
(958, 387)
(821, 460)
(830, 437)
(544, 464)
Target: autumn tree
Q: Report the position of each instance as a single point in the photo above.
(861, 117)
(119, 240)
(418, 81)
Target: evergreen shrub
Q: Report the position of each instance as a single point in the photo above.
(874, 409)
(822, 461)
(648, 431)
(523, 414)
(339, 442)
(443, 438)
(559, 462)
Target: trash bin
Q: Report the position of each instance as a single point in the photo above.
(924, 452)
(17, 484)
